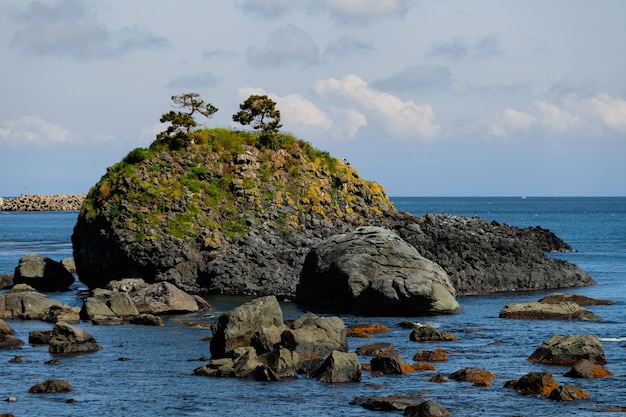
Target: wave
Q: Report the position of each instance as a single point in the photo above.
(612, 339)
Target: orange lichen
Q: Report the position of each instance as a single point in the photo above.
(408, 367)
(365, 329)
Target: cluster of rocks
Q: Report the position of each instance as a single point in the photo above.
(253, 341)
(39, 202)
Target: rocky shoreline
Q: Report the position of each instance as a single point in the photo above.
(39, 202)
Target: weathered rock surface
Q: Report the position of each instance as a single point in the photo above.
(544, 311)
(373, 271)
(67, 339)
(25, 304)
(426, 409)
(472, 374)
(584, 368)
(389, 403)
(387, 364)
(430, 334)
(534, 383)
(339, 367)
(581, 300)
(318, 336)
(50, 385)
(376, 349)
(251, 341)
(569, 349)
(236, 328)
(157, 299)
(63, 313)
(42, 273)
(108, 307)
(258, 211)
(568, 393)
(5, 329)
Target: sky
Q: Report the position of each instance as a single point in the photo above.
(425, 97)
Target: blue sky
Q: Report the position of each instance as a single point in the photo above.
(428, 98)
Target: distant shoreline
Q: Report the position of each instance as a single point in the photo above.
(39, 202)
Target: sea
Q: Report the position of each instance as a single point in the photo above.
(147, 371)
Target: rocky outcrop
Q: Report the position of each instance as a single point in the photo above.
(24, 303)
(372, 271)
(236, 328)
(581, 300)
(158, 299)
(569, 349)
(42, 273)
(67, 339)
(426, 409)
(227, 216)
(584, 368)
(542, 311)
(543, 384)
(7, 340)
(430, 334)
(252, 341)
(38, 202)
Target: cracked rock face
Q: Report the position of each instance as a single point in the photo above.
(372, 271)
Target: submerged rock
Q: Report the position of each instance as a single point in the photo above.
(372, 271)
(584, 368)
(50, 385)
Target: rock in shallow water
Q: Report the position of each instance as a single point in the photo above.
(372, 271)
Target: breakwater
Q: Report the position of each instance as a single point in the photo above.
(39, 202)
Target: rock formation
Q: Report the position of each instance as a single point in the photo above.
(42, 273)
(568, 349)
(230, 214)
(372, 271)
(543, 311)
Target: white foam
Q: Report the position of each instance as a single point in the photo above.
(612, 339)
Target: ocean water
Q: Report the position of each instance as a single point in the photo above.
(156, 378)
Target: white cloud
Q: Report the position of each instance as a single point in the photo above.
(510, 120)
(612, 111)
(573, 114)
(401, 118)
(557, 118)
(32, 131)
(352, 121)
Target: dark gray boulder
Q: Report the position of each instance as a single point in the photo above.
(372, 271)
(569, 349)
(50, 385)
(236, 328)
(67, 339)
(42, 273)
(340, 367)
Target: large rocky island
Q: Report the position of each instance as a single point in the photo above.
(232, 213)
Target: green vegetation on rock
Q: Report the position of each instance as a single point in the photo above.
(224, 184)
